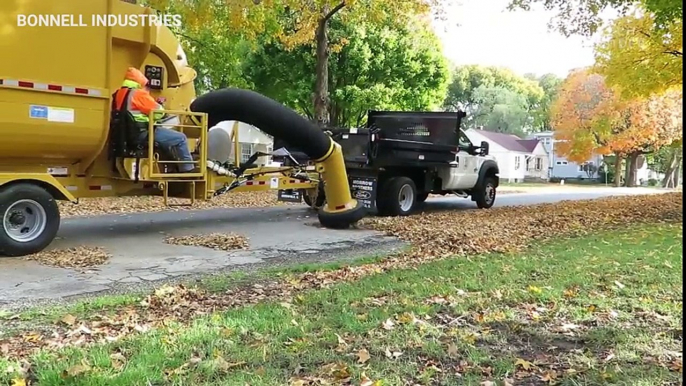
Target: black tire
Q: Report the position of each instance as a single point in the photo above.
(320, 200)
(389, 202)
(485, 194)
(422, 197)
(16, 213)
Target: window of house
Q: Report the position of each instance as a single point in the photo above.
(539, 163)
(246, 151)
(517, 162)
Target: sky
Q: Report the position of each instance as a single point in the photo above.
(489, 34)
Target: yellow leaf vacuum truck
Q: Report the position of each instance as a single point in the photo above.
(62, 137)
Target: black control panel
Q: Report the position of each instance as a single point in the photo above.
(155, 75)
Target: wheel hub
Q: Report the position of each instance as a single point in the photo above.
(24, 221)
(17, 219)
(406, 198)
(490, 192)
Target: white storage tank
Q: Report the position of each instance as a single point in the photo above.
(251, 139)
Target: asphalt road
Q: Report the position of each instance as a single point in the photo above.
(278, 236)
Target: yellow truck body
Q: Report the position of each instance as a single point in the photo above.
(60, 66)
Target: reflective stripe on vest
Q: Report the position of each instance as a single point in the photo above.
(137, 114)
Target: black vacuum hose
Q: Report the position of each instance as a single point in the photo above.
(268, 115)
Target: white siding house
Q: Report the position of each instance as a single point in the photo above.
(538, 161)
(508, 152)
(560, 167)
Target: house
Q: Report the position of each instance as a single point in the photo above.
(250, 139)
(560, 167)
(518, 159)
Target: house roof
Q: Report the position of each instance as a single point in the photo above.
(510, 142)
(529, 144)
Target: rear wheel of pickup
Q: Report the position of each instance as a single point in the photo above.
(485, 194)
(398, 197)
(30, 219)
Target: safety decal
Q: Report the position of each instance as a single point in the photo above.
(60, 114)
(38, 112)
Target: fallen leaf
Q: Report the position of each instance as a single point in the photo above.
(393, 354)
(341, 341)
(534, 289)
(75, 370)
(388, 324)
(118, 360)
(363, 356)
(69, 320)
(18, 382)
(526, 365)
(452, 350)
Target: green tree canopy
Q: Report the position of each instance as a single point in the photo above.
(500, 109)
(370, 67)
(466, 80)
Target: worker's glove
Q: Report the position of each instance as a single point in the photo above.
(161, 100)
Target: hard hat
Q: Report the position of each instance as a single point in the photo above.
(137, 76)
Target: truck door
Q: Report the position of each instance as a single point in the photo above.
(468, 163)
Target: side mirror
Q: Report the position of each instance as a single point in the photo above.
(484, 148)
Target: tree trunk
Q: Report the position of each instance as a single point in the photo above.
(677, 172)
(669, 173)
(618, 170)
(321, 87)
(632, 169)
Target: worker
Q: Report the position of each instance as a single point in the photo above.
(140, 104)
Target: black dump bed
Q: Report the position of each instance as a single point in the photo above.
(399, 138)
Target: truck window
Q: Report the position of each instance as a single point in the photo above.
(463, 141)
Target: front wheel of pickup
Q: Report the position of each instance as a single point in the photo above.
(485, 194)
(398, 197)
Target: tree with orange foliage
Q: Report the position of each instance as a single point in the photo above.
(590, 118)
(653, 122)
(585, 116)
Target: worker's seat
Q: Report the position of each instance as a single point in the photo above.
(125, 138)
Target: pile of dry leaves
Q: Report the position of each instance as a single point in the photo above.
(434, 236)
(506, 229)
(121, 205)
(75, 257)
(219, 241)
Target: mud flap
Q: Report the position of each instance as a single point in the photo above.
(364, 190)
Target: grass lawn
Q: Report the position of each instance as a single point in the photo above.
(601, 309)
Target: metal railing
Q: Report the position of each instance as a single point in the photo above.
(186, 120)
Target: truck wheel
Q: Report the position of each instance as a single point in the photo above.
(314, 198)
(485, 195)
(30, 219)
(398, 197)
